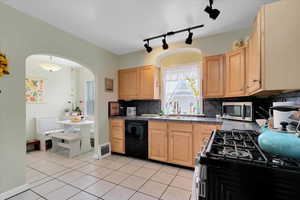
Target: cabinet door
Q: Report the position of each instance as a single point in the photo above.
(235, 73)
(148, 82)
(158, 144)
(201, 133)
(253, 68)
(117, 135)
(180, 148)
(117, 145)
(128, 84)
(213, 76)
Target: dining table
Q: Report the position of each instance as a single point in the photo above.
(84, 127)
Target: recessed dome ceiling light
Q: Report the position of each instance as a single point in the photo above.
(51, 67)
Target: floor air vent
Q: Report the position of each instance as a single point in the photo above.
(105, 150)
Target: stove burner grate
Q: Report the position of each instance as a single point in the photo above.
(238, 145)
(237, 153)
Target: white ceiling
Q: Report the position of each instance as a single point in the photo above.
(120, 25)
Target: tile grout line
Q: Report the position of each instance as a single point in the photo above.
(84, 163)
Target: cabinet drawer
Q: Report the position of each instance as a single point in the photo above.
(117, 145)
(157, 125)
(117, 132)
(185, 127)
(117, 122)
(205, 128)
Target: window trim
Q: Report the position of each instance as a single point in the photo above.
(163, 69)
(85, 97)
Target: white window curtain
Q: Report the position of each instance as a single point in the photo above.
(182, 93)
(90, 98)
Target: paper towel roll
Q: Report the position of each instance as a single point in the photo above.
(279, 116)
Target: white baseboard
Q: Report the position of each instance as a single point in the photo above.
(14, 191)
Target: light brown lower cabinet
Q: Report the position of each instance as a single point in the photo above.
(117, 135)
(201, 133)
(180, 148)
(158, 141)
(117, 146)
(171, 142)
(177, 142)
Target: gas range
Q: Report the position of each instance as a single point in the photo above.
(232, 166)
(242, 146)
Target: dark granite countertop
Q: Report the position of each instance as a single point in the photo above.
(172, 118)
(226, 124)
(230, 124)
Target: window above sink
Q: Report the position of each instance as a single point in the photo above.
(182, 93)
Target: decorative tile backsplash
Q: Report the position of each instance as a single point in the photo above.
(143, 106)
(212, 107)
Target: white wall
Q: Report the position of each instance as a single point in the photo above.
(20, 37)
(58, 91)
(211, 45)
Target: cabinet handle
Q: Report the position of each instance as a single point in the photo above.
(255, 81)
(248, 87)
(242, 89)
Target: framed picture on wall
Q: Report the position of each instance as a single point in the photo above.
(35, 90)
(109, 85)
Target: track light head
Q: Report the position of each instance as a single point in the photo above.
(148, 48)
(165, 45)
(189, 40)
(213, 13)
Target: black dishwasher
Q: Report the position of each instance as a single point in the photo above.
(136, 138)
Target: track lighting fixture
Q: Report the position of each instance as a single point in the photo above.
(148, 48)
(189, 40)
(213, 13)
(165, 45)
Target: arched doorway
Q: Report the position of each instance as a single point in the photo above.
(66, 87)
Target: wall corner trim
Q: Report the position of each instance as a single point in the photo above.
(14, 191)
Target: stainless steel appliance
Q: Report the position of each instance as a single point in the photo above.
(131, 111)
(242, 111)
(233, 167)
(136, 138)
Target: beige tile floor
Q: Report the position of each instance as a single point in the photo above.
(55, 177)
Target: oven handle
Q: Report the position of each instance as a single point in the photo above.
(207, 147)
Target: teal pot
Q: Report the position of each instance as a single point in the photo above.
(279, 143)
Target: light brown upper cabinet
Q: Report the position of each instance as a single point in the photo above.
(235, 73)
(274, 44)
(149, 82)
(128, 83)
(158, 141)
(253, 58)
(213, 76)
(139, 83)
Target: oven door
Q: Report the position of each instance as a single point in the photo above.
(199, 181)
(196, 180)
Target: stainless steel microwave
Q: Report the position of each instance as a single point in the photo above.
(242, 111)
